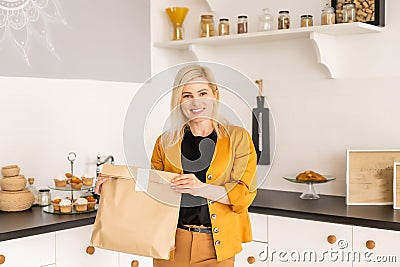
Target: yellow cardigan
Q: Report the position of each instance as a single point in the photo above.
(233, 166)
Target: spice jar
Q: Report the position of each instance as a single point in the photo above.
(327, 15)
(207, 26)
(242, 24)
(349, 12)
(283, 20)
(306, 20)
(223, 26)
(265, 21)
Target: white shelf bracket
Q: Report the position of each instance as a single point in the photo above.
(325, 47)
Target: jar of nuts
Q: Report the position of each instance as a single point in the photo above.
(223, 26)
(207, 25)
(306, 20)
(349, 12)
(283, 20)
(242, 24)
(327, 15)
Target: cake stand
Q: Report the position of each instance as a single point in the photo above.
(310, 192)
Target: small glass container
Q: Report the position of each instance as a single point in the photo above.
(207, 25)
(265, 21)
(306, 20)
(44, 197)
(223, 26)
(349, 12)
(283, 20)
(242, 24)
(327, 15)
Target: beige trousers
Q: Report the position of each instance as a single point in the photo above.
(193, 250)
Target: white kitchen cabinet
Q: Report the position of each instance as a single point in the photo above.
(253, 254)
(259, 225)
(71, 246)
(32, 251)
(296, 242)
(125, 260)
(386, 247)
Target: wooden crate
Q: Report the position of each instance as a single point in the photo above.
(377, 18)
(396, 185)
(369, 176)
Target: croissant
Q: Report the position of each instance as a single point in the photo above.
(310, 176)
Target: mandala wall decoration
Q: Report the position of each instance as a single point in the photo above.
(21, 21)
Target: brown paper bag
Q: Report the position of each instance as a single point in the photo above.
(137, 222)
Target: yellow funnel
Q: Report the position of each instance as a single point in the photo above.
(177, 16)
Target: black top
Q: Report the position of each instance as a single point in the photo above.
(197, 153)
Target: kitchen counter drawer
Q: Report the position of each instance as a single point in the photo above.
(32, 251)
(71, 250)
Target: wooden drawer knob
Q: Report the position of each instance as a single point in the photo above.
(90, 250)
(370, 244)
(251, 260)
(134, 263)
(331, 239)
(2, 259)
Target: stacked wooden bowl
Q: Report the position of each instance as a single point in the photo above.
(13, 196)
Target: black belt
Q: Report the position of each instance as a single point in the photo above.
(196, 229)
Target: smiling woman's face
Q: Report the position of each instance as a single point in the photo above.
(197, 101)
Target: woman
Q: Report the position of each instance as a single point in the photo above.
(216, 162)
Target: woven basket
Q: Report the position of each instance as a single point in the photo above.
(16, 183)
(16, 201)
(9, 171)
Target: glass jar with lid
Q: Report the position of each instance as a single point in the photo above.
(43, 197)
(327, 15)
(223, 26)
(349, 12)
(242, 24)
(283, 20)
(306, 20)
(207, 25)
(265, 21)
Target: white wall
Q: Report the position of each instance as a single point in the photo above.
(317, 118)
(42, 120)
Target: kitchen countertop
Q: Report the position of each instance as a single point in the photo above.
(34, 221)
(326, 209)
(280, 203)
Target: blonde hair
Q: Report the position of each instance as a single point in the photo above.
(178, 120)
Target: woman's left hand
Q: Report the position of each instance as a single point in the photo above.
(186, 183)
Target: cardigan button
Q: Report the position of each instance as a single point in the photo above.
(217, 243)
(214, 216)
(216, 230)
(209, 177)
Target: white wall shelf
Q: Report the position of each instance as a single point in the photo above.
(323, 38)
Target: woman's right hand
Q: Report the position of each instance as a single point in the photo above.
(100, 180)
